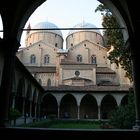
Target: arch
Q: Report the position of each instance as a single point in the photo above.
(24, 16)
(88, 107)
(29, 8)
(49, 106)
(124, 100)
(122, 19)
(108, 104)
(68, 107)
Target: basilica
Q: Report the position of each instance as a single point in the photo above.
(79, 80)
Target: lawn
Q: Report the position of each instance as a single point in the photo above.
(71, 124)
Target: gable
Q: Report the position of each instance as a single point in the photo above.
(87, 44)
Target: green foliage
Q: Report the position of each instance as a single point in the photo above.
(114, 37)
(13, 114)
(70, 124)
(124, 116)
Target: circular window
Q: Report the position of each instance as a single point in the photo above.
(77, 73)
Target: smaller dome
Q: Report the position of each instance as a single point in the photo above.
(84, 25)
(46, 25)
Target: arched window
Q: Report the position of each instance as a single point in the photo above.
(33, 59)
(93, 59)
(49, 83)
(79, 58)
(46, 59)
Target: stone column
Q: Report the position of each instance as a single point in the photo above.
(60, 76)
(99, 113)
(35, 109)
(9, 48)
(135, 55)
(23, 107)
(78, 112)
(94, 76)
(13, 102)
(58, 112)
(136, 78)
(30, 110)
(38, 112)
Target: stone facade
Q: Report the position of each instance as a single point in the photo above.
(85, 53)
(83, 66)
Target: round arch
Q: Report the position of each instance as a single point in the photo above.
(124, 100)
(108, 104)
(120, 15)
(49, 106)
(88, 107)
(68, 107)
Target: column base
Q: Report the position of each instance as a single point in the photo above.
(137, 125)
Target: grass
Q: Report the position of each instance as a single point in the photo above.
(71, 124)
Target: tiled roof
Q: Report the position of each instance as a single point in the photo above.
(41, 69)
(102, 70)
(78, 78)
(88, 88)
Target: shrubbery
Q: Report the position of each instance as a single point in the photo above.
(13, 115)
(124, 116)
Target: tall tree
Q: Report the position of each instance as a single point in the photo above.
(114, 37)
(124, 116)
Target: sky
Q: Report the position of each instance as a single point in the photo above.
(64, 14)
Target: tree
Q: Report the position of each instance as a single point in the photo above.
(124, 116)
(114, 37)
(13, 115)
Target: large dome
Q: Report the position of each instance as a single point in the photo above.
(84, 25)
(46, 25)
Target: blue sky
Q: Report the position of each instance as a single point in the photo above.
(65, 13)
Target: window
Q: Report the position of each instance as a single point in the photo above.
(55, 44)
(49, 83)
(93, 59)
(33, 59)
(46, 59)
(79, 58)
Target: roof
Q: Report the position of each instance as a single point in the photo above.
(46, 27)
(78, 78)
(92, 28)
(92, 88)
(104, 70)
(46, 69)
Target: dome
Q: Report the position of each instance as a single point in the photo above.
(46, 25)
(84, 25)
